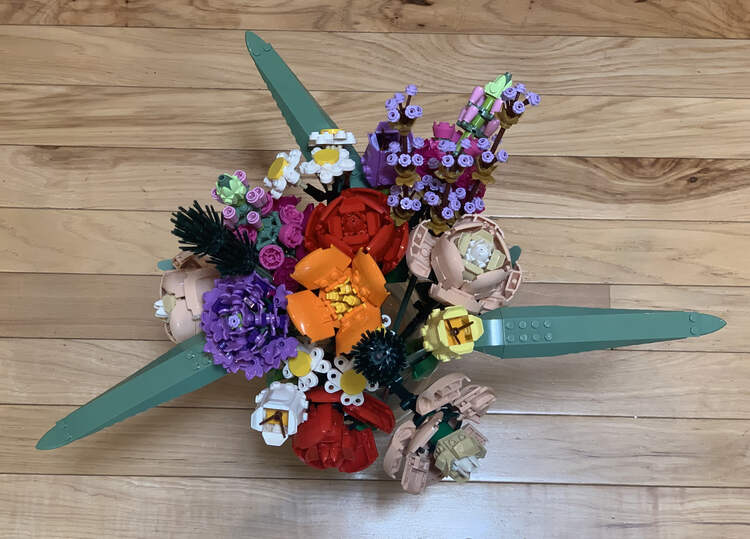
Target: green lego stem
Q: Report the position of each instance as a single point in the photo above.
(513, 332)
(302, 113)
(181, 370)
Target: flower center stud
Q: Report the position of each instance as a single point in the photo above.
(301, 364)
(343, 298)
(328, 156)
(352, 382)
(277, 168)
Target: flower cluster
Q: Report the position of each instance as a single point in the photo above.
(246, 325)
(301, 290)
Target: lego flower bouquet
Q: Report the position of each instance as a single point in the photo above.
(284, 279)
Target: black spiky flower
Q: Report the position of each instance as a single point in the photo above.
(379, 356)
(201, 231)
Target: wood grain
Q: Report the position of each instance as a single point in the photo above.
(595, 126)
(612, 383)
(522, 449)
(65, 506)
(120, 306)
(558, 251)
(67, 177)
(682, 18)
(561, 65)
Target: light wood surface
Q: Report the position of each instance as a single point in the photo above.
(628, 188)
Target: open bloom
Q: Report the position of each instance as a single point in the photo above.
(351, 383)
(350, 293)
(246, 325)
(282, 171)
(331, 137)
(357, 219)
(328, 163)
(308, 361)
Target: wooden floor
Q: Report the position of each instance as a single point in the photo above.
(629, 187)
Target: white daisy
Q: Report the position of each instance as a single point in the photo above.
(283, 171)
(305, 364)
(328, 163)
(331, 137)
(349, 381)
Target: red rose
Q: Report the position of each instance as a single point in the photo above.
(359, 218)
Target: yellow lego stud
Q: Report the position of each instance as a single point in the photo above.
(451, 332)
(277, 168)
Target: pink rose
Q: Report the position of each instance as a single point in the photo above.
(271, 256)
(291, 235)
(290, 215)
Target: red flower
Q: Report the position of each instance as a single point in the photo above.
(358, 219)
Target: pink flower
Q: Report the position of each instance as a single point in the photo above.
(291, 215)
(291, 235)
(289, 200)
(271, 256)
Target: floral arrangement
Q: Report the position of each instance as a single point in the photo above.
(301, 287)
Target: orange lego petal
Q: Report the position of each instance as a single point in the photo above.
(354, 324)
(321, 268)
(310, 315)
(368, 279)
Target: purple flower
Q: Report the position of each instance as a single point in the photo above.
(393, 115)
(483, 143)
(533, 98)
(390, 103)
(392, 201)
(246, 328)
(447, 146)
(419, 185)
(466, 144)
(447, 213)
(488, 156)
(460, 193)
(433, 163)
(417, 159)
(447, 161)
(518, 107)
(399, 97)
(404, 160)
(509, 93)
(416, 205)
(520, 87)
(391, 159)
(465, 160)
(469, 207)
(418, 143)
(454, 204)
(431, 198)
(502, 156)
(478, 204)
(405, 204)
(394, 147)
(413, 112)
(411, 90)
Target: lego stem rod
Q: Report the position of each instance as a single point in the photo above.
(515, 332)
(181, 370)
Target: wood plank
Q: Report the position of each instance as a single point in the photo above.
(688, 18)
(595, 126)
(522, 449)
(88, 306)
(67, 177)
(120, 306)
(730, 303)
(612, 383)
(558, 251)
(81, 506)
(218, 59)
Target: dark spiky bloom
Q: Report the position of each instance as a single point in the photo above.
(201, 231)
(379, 356)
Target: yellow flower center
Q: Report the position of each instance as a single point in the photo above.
(301, 364)
(328, 156)
(352, 382)
(343, 298)
(331, 131)
(277, 168)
